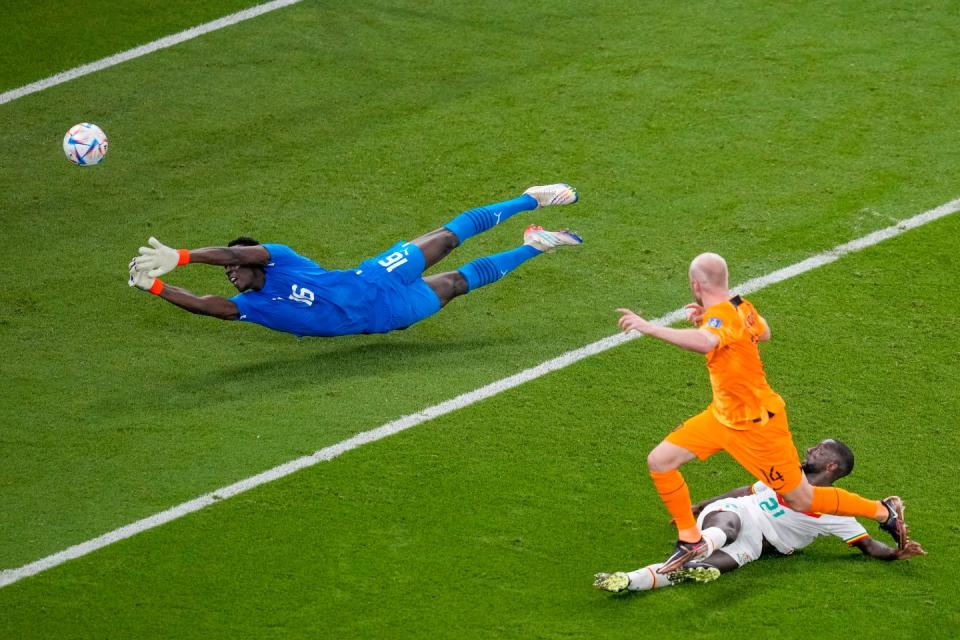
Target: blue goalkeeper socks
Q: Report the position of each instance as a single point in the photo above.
(483, 271)
(470, 223)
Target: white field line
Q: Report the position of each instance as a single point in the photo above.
(9, 576)
(150, 47)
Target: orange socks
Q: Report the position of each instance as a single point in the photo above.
(676, 497)
(843, 503)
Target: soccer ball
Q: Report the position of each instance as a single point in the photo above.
(85, 144)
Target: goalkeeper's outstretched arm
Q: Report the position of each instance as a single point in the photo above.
(159, 259)
(216, 306)
(225, 256)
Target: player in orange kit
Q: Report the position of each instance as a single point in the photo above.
(746, 418)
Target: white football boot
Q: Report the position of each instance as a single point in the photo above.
(543, 240)
(549, 195)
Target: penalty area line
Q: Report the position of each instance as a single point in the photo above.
(10, 576)
(150, 47)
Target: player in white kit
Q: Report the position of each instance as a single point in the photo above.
(749, 521)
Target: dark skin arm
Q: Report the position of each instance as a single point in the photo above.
(215, 306)
(880, 551)
(223, 256)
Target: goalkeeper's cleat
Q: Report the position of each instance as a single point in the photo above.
(686, 552)
(549, 195)
(895, 525)
(693, 572)
(543, 240)
(612, 582)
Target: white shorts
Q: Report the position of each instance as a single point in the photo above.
(749, 544)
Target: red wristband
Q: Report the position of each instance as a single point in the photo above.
(157, 287)
(184, 256)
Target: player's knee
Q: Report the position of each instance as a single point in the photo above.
(448, 240)
(731, 530)
(455, 284)
(727, 522)
(658, 462)
(667, 457)
(448, 286)
(460, 286)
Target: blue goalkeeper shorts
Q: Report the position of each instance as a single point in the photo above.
(402, 297)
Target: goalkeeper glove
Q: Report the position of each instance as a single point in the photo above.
(158, 258)
(142, 280)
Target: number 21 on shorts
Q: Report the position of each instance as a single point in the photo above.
(771, 505)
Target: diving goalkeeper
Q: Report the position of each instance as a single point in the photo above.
(284, 291)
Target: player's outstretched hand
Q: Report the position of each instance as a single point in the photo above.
(694, 313)
(910, 550)
(629, 321)
(139, 279)
(157, 259)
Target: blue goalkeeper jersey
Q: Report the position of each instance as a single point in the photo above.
(302, 298)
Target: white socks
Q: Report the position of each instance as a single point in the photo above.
(715, 537)
(647, 578)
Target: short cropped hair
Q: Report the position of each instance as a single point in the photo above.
(843, 457)
(243, 241)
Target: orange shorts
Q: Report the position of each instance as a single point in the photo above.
(766, 451)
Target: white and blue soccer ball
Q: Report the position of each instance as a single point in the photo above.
(85, 144)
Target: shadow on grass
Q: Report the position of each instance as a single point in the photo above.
(372, 365)
(342, 361)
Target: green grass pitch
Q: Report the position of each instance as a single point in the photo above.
(768, 132)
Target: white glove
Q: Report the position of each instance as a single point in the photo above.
(158, 260)
(139, 279)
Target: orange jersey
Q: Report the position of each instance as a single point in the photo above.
(741, 396)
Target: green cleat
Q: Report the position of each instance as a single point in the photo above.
(612, 582)
(698, 573)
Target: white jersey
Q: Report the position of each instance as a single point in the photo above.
(788, 530)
